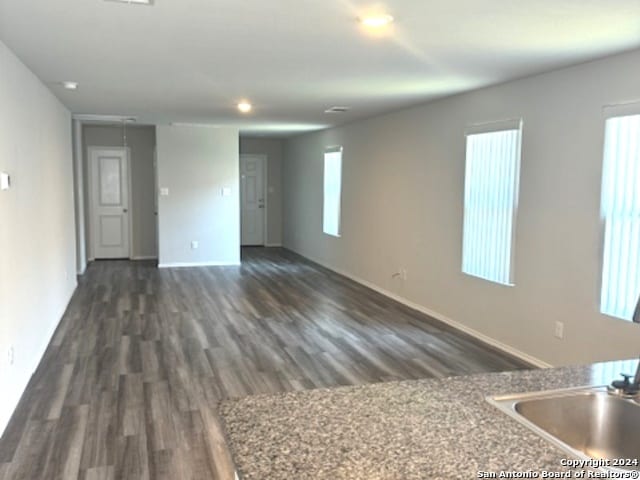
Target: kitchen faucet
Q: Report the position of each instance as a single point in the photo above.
(625, 387)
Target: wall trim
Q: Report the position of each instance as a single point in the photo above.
(514, 352)
(273, 245)
(135, 257)
(198, 264)
(79, 197)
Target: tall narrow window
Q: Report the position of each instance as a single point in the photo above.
(332, 191)
(490, 201)
(620, 208)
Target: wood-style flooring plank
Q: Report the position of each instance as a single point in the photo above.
(129, 385)
(4, 471)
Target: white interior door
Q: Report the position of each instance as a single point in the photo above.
(252, 199)
(109, 202)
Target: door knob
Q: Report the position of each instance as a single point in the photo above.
(125, 210)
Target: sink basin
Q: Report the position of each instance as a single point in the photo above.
(587, 423)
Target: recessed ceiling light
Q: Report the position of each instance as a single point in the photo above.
(376, 21)
(337, 110)
(134, 2)
(70, 85)
(244, 106)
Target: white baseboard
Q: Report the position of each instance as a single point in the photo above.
(134, 257)
(19, 392)
(198, 264)
(272, 245)
(438, 316)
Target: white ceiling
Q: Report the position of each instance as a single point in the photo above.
(190, 61)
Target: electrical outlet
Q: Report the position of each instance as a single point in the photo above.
(559, 333)
(10, 355)
(194, 244)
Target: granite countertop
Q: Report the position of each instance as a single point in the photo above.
(416, 429)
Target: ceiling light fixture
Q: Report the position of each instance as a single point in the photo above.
(134, 2)
(91, 118)
(337, 110)
(244, 106)
(376, 21)
(70, 85)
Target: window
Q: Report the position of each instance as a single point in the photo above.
(332, 191)
(620, 209)
(490, 201)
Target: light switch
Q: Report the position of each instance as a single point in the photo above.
(164, 192)
(5, 181)
(226, 192)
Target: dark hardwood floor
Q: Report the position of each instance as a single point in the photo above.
(129, 384)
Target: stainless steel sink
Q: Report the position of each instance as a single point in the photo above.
(587, 423)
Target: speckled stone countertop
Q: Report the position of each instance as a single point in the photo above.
(417, 429)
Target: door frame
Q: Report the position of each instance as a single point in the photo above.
(91, 225)
(156, 198)
(265, 188)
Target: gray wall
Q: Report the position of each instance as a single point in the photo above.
(37, 237)
(273, 149)
(141, 141)
(196, 164)
(402, 207)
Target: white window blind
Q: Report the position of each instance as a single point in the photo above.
(620, 209)
(490, 203)
(332, 191)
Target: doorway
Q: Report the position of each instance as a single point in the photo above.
(109, 217)
(253, 203)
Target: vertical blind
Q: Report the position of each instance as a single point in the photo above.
(621, 215)
(332, 191)
(490, 202)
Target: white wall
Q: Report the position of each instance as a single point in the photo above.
(273, 149)
(37, 239)
(195, 164)
(402, 206)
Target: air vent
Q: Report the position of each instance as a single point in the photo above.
(337, 110)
